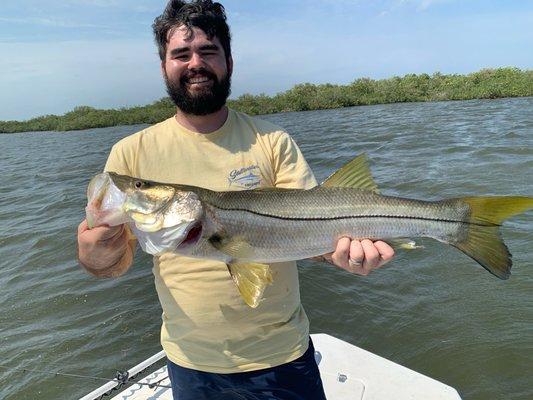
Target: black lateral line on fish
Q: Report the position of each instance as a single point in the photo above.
(354, 217)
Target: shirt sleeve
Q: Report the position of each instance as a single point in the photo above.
(119, 160)
(290, 168)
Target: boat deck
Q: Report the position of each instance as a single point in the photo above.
(348, 373)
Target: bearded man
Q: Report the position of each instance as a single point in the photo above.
(217, 346)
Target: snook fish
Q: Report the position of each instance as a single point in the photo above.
(249, 229)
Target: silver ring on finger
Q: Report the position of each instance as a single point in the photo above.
(355, 263)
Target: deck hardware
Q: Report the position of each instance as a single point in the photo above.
(342, 378)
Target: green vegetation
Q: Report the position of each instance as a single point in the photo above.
(485, 84)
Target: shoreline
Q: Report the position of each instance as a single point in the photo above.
(485, 84)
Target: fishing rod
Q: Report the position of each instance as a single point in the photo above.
(121, 378)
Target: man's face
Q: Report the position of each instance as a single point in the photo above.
(196, 73)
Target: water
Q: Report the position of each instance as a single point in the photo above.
(433, 310)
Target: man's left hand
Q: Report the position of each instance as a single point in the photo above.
(360, 257)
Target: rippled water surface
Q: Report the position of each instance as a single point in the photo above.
(433, 310)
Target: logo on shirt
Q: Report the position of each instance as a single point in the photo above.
(245, 178)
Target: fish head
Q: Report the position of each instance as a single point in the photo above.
(167, 215)
(145, 202)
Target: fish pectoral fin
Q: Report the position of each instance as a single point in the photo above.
(404, 244)
(236, 247)
(251, 279)
(355, 174)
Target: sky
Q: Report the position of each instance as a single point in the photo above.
(59, 54)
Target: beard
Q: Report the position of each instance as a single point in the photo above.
(206, 101)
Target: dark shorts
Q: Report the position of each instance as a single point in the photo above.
(296, 380)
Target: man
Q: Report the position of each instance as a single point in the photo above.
(217, 346)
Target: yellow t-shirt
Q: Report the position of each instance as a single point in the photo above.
(206, 325)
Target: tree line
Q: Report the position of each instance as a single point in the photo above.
(484, 84)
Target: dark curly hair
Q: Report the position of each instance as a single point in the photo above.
(203, 14)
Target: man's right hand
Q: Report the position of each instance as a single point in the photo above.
(105, 251)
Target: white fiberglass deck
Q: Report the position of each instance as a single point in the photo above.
(348, 373)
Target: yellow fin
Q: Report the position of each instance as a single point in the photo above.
(494, 210)
(404, 244)
(235, 247)
(251, 280)
(483, 242)
(355, 174)
(485, 246)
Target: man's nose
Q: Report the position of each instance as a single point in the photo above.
(196, 61)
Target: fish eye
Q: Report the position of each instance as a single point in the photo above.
(138, 184)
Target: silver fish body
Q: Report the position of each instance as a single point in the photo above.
(290, 225)
(249, 229)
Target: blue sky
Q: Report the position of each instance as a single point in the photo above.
(58, 54)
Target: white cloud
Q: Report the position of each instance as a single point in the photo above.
(98, 3)
(419, 5)
(138, 5)
(425, 4)
(52, 22)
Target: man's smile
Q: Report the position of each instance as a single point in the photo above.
(199, 82)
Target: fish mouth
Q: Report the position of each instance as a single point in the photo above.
(104, 202)
(96, 192)
(192, 237)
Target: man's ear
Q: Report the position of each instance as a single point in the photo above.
(163, 70)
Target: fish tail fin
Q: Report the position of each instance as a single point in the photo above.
(483, 241)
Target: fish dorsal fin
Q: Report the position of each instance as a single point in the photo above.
(251, 279)
(355, 174)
